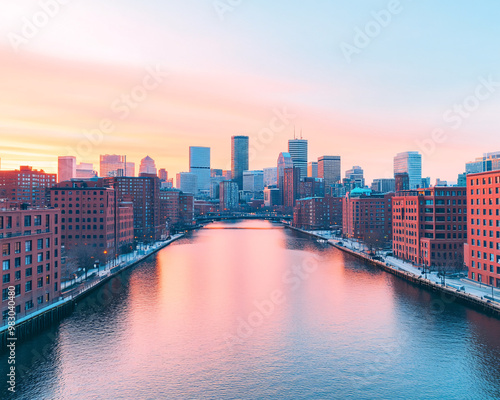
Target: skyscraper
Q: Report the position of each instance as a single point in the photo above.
(199, 164)
(329, 170)
(312, 169)
(66, 168)
(298, 151)
(271, 176)
(112, 165)
(284, 161)
(355, 176)
(148, 166)
(239, 158)
(163, 175)
(187, 182)
(411, 163)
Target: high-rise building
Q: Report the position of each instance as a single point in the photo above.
(66, 168)
(409, 162)
(239, 158)
(26, 185)
(430, 226)
(426, 183)
(329, 170)
(384, 185)
(85, 171)
(253, 181)
(163, 175)
(298, 151)
(291, 186)
(31, 259)
(148, 166)
(270, 176)
(112, 165)
(482, 251)
(284, 162)
(488, 162)
(312, 169)
(187, 182)
(199, 164)
(356, 177)
(228, 195)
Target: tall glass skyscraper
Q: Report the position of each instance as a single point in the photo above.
(239, 158)
(329, 170)
(298, 151)
(411, 163)
(199, 164)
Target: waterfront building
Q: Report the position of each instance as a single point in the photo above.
(312, 169)
(228, 196)
(482, 251)
(488, 162)
(297, 148)
(368, 216)
(199, 165)
(31, 258)
(430, 226)
(409, 162)
(329, 170)
(272, 197)
(148, 166)
(239, 159)
(112, 165)
(66, 168)
(26, 185)
(315, 213)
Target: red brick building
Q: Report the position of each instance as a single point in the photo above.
(482, 251)
(367, 216)
(291, 186)
(26, 185)
(318, 213)
(30, 243)
(430, 226)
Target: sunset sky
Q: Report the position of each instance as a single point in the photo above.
(229, 70)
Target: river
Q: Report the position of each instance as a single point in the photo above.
(250, 310)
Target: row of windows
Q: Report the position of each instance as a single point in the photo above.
(28, 287)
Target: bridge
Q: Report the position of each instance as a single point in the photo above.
(215, 216)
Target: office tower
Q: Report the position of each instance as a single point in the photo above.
(409, 162)
(239, 158)
(26, 185)
(291, 185)
(298, 151)
(31, 258)
(253, 181)
(199, 164)
(187, 182)
(368, 216)
(356, 177)
(426, 182)
(488, 162)
(228, 195)
(272, 197)
(66, 168)
(430, 226)
(482, 251)
(329, 170)
(148, 166)
(284, 161)
(384, 185)
(85, 171)
(112, 165)
(215, 172)
(227, 174)
(402, 181)
(270, 176)
(312, 169)
(163, 175)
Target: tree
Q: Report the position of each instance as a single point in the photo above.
(81, 256)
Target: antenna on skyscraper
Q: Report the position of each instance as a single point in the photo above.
(301, 133)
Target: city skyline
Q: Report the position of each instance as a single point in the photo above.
(234, 93)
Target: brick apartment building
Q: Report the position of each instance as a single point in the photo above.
(26, 185)
(482, 251)
(30, 243)
(430, 226)
(315, 213)
(367, 216)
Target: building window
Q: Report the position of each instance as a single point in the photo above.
(5, 265)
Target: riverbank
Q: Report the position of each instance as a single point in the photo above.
(463, 290)
(41, 319)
